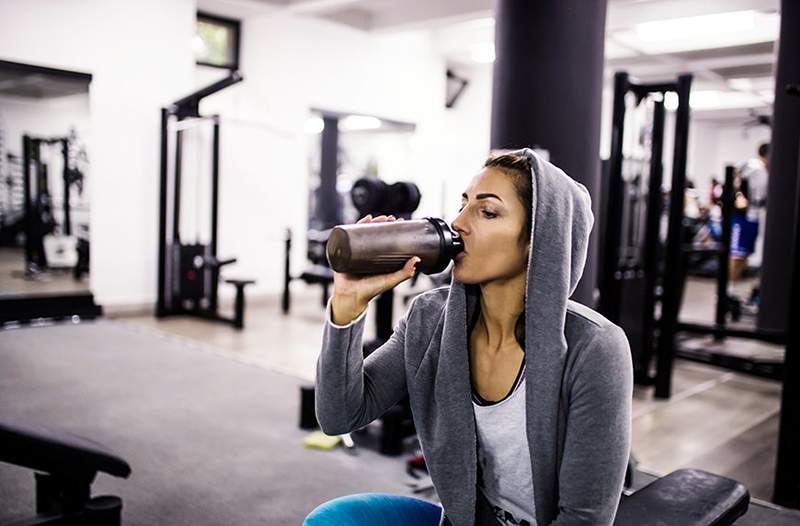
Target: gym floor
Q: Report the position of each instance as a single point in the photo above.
(721, 421)
(13, 281)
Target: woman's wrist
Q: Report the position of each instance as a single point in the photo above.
(345, 309)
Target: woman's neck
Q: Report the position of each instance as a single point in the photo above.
(501, 304)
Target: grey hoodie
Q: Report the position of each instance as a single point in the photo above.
(579, 377)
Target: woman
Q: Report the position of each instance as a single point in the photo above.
(521, 398)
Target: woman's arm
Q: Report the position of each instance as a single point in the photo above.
(351, 392)
(598, 434)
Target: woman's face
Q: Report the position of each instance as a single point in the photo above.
(490, 222)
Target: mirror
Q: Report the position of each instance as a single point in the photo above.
(44, 177)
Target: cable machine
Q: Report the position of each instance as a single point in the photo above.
(631, 269)
(189, 270)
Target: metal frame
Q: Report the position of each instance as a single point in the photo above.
(672, 328)
(175, 118)
(31, 153)
(643, 278)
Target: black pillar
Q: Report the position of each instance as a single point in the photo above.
(548, 81)
(776, 267)
(327, 209)
(787, 464)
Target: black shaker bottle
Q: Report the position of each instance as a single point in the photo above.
(379, 248)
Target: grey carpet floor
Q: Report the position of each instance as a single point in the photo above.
(210, 440)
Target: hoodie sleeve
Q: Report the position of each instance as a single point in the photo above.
(598, 434)
(352, 391)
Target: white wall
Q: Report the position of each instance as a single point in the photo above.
(291, 64)
(140, 56)
(42, 117)
(466, 136)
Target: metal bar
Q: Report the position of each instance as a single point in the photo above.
(287, 277)
(197, 96)
(652, 239)
(190, 123)
(670, 282)
(176, 198)
(383, 316)
(773, 370)
(609, 304)
(658, 87)
(212, 291)
(65, 173)
(214, 187)
(26, 171)
(763, 335)
(725, 247)
(161, 309)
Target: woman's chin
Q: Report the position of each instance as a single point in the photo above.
(462, 275)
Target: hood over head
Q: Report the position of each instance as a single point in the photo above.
(561, 223)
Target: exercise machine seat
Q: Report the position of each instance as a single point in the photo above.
(64, 466)
(686, 497)
(55, 452)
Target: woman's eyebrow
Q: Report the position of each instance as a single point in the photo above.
(481, 196)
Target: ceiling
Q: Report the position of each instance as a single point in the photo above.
(728, 45)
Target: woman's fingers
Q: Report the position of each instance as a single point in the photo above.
(377, 219)
(395, 278)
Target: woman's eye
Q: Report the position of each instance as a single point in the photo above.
(488, 214)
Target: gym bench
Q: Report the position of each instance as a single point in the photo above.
(65, 466)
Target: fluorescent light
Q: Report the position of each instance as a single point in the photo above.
(696, 26)
(314, 125)
(482, 53)
(752, 83)
(359, 122)
(718, 100)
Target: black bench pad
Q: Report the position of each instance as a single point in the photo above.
(686, 497)
(57, 453)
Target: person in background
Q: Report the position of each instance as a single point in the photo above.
(750, 208)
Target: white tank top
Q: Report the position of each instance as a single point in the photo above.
(504, 461)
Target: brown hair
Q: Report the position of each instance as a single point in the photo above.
(519, 168)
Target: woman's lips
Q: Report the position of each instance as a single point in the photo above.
(460, 256)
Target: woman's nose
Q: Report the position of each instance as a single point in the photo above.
(457, 225)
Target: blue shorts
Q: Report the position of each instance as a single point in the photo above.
(743, 236)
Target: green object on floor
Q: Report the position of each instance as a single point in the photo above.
(319, 440)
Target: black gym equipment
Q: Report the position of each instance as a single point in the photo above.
(189, 273)
(687, 497)
(369, 195)
(39, 214)
(638, 276)
(317, 273)
(630, 269)
(684, 332)
(65, 467)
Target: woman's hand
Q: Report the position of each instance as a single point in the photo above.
(352, 293)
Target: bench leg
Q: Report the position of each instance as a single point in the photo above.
(238, 317)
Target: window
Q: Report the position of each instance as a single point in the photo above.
(216, 41)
